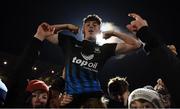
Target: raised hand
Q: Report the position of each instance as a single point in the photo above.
(108, 34)
(136, 24)
(173, 49)
(44, 30)
(161, 88)
(65, 99)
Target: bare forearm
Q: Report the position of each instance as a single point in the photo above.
(60, 27)
(126, 38)
(53, 39)
(70, 27)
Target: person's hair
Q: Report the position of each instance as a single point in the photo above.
(28, 100)
(92, 17)
(117, 86)
(93, 103)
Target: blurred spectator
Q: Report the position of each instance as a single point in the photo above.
(118, 91)
(3, 92)
(173, 49)
(39, 94)
(144, 98)
(17, 81)
(164, 94)
(57, 96)
(94, 103)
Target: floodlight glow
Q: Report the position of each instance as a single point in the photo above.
(5, 62)
(52, 71)
(35, 68)
(108, 26)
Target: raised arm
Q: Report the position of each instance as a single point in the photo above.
(50, 32)
(44, 30)
(60, 27)
(144, 32)
(130, 42)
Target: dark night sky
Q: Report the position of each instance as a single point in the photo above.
(21, 18)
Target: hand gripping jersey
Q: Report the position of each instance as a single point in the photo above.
(83, 60)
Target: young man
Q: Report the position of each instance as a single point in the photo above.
(84, 59)
(118, 91)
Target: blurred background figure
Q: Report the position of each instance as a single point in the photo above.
(118, 91)
(144, 98)
(93, 103)
(3, 92)
(39, 91)
(58, 98)
(161, 88)
(173, 49)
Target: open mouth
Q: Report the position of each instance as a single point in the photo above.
(90, 31)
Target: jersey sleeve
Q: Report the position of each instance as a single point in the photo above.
(65, 41)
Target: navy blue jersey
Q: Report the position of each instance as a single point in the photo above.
(83, 60)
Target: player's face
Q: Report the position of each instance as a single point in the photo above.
(91, 29)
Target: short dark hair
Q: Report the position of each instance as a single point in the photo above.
(92, 17)
(117, 86)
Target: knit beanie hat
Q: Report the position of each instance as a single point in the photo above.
(34, 85)
(3, 91)
(146, 94)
